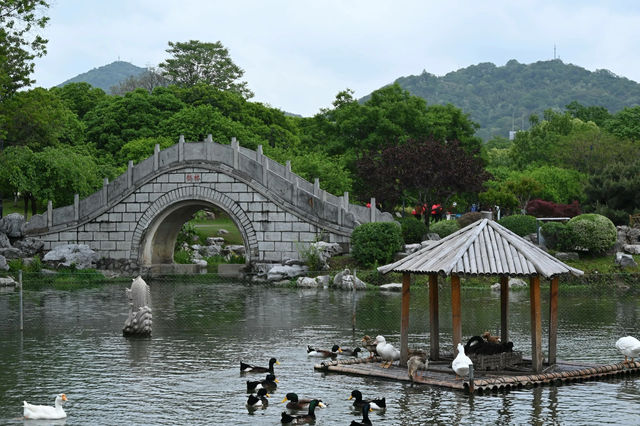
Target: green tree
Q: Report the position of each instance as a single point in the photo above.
(39, 118)
(148, 80)
(598, 114)
(141, 149)
(19, 43)
(625, 124)
(196, 62)
(80, 97)
(615, 190)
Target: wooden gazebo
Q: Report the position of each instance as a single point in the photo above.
(489, 249)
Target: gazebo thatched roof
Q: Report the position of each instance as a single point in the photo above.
(482, 248)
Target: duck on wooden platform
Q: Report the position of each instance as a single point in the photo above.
(370, 344)
(324, 353)
(310, 417)
(258, 401)
(416, 363)
(386, 351)
(269, 383)
(628, 346)
(365, 417)
(248, 368)
(45, 412)
(298, 404)
(461, 363)
(374, 404)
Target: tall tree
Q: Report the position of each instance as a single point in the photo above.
(148, 80)
(196, 62)
(19, 43)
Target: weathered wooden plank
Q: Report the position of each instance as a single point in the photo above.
(456, 307)
(404, 318)
(553, 320)
(434, 322)
(504, 308)
(536, 324)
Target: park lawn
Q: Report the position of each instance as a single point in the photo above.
(210, 228)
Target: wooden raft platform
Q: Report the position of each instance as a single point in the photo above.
(440, 374)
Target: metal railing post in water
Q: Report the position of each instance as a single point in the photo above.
(353, 306)
(21, 313)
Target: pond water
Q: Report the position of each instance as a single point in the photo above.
(188, 371)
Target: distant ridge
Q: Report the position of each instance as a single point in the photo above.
(501, 97)
(107, 76)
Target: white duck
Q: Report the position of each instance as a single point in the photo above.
(461, 364)
(628, 346)
(386, 351)
(45, 412)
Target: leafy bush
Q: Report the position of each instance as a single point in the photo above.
(375, 243)
(468, 218)
(444, 227)
(312, 257)
(519, 224)
(593, 232)
(413, 230)
(618, 217)
(541, 208)
(557, 236)
(182, 257)
(188, 234)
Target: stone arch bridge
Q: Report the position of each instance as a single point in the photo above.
(137, 217)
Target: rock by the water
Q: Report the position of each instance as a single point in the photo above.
(625, 260)
(631, 248)
(29, 246)
(308, 282)
(513, 283)
(10, 253)
(280, 272)
(79, 255)
(397, 287)
(13, 225)
(346, 281)
(3, 263)
(4, 240)
(140, 318)
(8, 282)
(571, 255)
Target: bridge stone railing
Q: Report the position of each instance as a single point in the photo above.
(279, 182)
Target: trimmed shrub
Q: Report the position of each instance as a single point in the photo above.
(468, 218)
(541, 208)
(444, 227)
(557, 236)
(593, 232)
(376, 243)
(413, 230)
(519, 224)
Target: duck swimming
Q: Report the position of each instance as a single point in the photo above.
(248, 368)
(461, 363)
(45, 412)
(258, 401)
(269, 383)
(365, 417)
(323, 353)
(350, 352)
(374, 404)
(310, 417)
(297, 404)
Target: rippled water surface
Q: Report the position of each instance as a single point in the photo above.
(188, 372)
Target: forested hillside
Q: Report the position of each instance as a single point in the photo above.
(499, 97)
(107, 76)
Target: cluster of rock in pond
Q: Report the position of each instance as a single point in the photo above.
(15, 245)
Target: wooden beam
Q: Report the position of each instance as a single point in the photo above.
(434, 323)
(504, 308)
(404, 318)
(553, 320)
(536, 324)
(456, 312)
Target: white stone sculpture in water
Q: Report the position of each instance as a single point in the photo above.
(139, 321)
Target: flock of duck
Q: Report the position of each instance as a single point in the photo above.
(303, 410)
(628, 346)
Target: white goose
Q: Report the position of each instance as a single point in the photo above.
(45, 412)
(461, 364)
(628, 346)
(386, 351)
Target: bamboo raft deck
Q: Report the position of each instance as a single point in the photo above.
(440, 374)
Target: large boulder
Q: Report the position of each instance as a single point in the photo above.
(4, 240)
(280, 272)
(346, 281)
(3, 263)
(29, 246)
(13, 225)
(625, 260)
(79, 255)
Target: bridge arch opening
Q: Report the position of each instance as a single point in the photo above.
(159, 241)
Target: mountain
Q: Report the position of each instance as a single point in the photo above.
(501, 98)
(107, 76)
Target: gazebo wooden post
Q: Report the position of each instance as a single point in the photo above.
(404, 321)
(536, 324)
(553, 320)
(504, 308)
(456, 312)
(434, 323)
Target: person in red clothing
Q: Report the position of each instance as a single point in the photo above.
(436, 212)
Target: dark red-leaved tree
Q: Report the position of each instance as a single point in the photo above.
(430, 170)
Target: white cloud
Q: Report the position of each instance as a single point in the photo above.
(298, 55)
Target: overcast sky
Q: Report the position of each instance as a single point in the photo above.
(297, 55)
